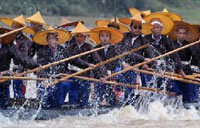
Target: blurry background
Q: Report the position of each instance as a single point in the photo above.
(89, 10)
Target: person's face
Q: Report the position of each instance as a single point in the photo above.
(181, 34)
(157, 29)
(136, 29)
(104, 37)
(80, 38)
(52, 39)
(36, 27)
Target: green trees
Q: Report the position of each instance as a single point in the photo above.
(89, 7)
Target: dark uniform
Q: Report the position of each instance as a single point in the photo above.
(190, 92)
(169, 63)
(130, 77)
(8, 52)
(81, 91)
(54, 96)
(102, 90)
(23, 44)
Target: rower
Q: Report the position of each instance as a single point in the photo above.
(23, 44)
(80, 92)
(52, 51)
(103, 36)
(132, 40)
(37, 24)
(183, 33)
(8, 52)
(161, 44)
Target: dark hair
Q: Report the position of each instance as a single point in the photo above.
(182, 27)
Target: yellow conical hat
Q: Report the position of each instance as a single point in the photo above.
(137, 17)
(135, 11)
(80, 28)
(116, 35)
(41, 37)
(166, 21)
(18, 20)
(173, 16)
(103, 23)
(36, 18)
(64, 21)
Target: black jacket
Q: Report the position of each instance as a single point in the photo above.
(127, 45)
(173, 62)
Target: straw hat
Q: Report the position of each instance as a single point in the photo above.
(134, 11)
(7, 39)
(174, 16)
(18, 20)
(137, 17)
(40, 37)
(116, 35)
(36, 18)
(193, 32)
(138, 20)
(66, 23)
(80, 28)
(103, 23)
(166, 21)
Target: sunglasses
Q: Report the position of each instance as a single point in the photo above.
(137, 27)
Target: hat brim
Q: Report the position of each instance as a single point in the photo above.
(116, 35)
(192, 35)
(166, 21)
(7, 39)
(174, 16)
(103, 23)
(40, 37)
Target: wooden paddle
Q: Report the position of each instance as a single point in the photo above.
(153, 59)
(136, 86)
(167, 76)
(13, 31)
(97, 65)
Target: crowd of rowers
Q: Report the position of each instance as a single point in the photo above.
(40, 44)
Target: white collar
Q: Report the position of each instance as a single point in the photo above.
(160, 37)
(79, 45)
(133, 39)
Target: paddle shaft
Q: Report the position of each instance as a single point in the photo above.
(13, 31)
(122, 84)
(153, 59)
(167, 76)
(98, 65)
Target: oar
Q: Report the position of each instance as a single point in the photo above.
(13, 31)
(136, 86)
(167, 76)
(153, 59)
(180, 76)
(25, 78)
(22, 78)
(97, 65)
(56, 63)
